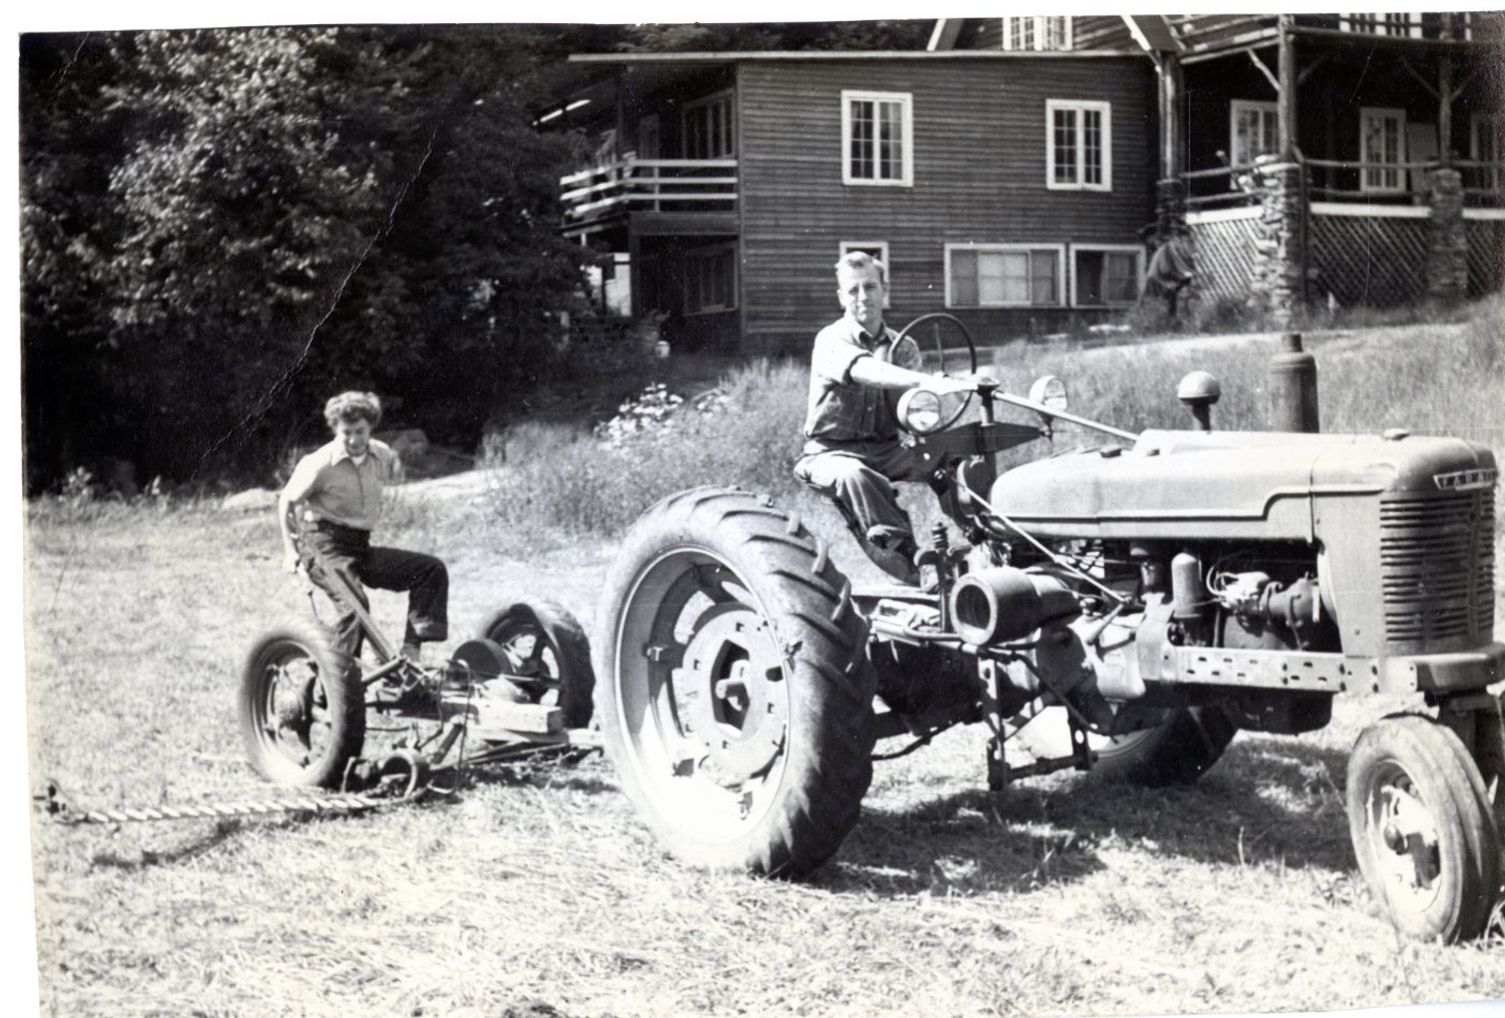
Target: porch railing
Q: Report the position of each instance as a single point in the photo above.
(656, 185)
(1336, 180)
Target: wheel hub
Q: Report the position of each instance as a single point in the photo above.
(736, 711)
(292, 697)
(1409, 833)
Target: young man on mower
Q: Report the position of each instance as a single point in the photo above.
(335, 493)
(852, 449)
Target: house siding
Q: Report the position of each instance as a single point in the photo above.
(979, 177)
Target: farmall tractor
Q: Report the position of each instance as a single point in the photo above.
(1161, 590)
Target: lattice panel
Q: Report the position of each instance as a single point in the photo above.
(1225, 259)
(1486, 255)
(1376, 261)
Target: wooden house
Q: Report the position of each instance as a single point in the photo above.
(1006, 174)
(1006, 187)
(1345, 159)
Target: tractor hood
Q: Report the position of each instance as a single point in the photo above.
(1258, 485)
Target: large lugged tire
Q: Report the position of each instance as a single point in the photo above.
(547, 644)
(735, 695)
(1177, 752)
(1423, 829)
(302, 707)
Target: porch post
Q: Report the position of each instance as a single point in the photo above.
(1447, 241)
(1286, 111)
(1170, 191)
(1278, 282)
(1445, 98)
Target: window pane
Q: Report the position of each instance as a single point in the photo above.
(1064, 144)
(1043, 277)
(964, 278)
(1121, 282)
(862, 139)
(1092, 147)
(890, 157)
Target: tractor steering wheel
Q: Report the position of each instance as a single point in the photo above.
(936, 319)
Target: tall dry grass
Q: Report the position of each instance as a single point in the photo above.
(1446, 378)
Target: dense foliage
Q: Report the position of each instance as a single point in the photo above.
(221, 226)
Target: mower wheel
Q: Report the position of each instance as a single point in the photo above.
(302, 707)
(736, 701)
(1423, 829)
(1176, 752)
(545, 644)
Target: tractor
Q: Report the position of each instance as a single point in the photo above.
(1159, 591)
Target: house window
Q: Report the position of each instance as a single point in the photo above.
(1105, 275)
(711, 279)
(1388, 23)
(708, 128)
(1255, 128)
(876, 132)
(1004, 275)
(879, 250)
(1037, 33)
(1078, 145)
(1382, 135)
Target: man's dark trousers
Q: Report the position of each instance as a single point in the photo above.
(331, 551)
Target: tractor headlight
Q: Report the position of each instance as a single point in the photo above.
(920, 411)
(1050, 392)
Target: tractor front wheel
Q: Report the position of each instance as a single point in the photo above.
(736, 697)
(1423, 829)
(1177, 751)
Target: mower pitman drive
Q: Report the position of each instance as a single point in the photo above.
(1160, 591)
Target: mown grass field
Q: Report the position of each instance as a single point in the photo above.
(1055, 896)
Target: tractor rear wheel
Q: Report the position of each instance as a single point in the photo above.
(302, 707)
(1175, 752)
(1423, 828)
(547, 646)
(736, 697)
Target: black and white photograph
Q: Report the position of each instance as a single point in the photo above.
(791, 512)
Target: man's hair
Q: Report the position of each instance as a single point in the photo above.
(353, 406)
(859, 260)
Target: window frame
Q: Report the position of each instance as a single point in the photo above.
(906, 136)
(1139, 269)
(707, 253)
(1039, 25)
(846, 247)
(1058, 249)
(1399, 187)
(1237, 106)
(725, 95)
(1375, 23)
(1078, 106)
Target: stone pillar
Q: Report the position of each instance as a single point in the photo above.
(1170, 210)
(1275, 288)
(1447, 242)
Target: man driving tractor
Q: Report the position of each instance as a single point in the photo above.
(335, 493)
(852, 450)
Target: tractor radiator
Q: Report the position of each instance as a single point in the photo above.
(1437, 571)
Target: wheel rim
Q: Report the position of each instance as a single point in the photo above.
(291, 712)
(1403, 840)
(531, 655)
(702, 695)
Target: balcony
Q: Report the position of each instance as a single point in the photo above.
(676, 189)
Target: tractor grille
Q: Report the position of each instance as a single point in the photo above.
(1437, 569)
